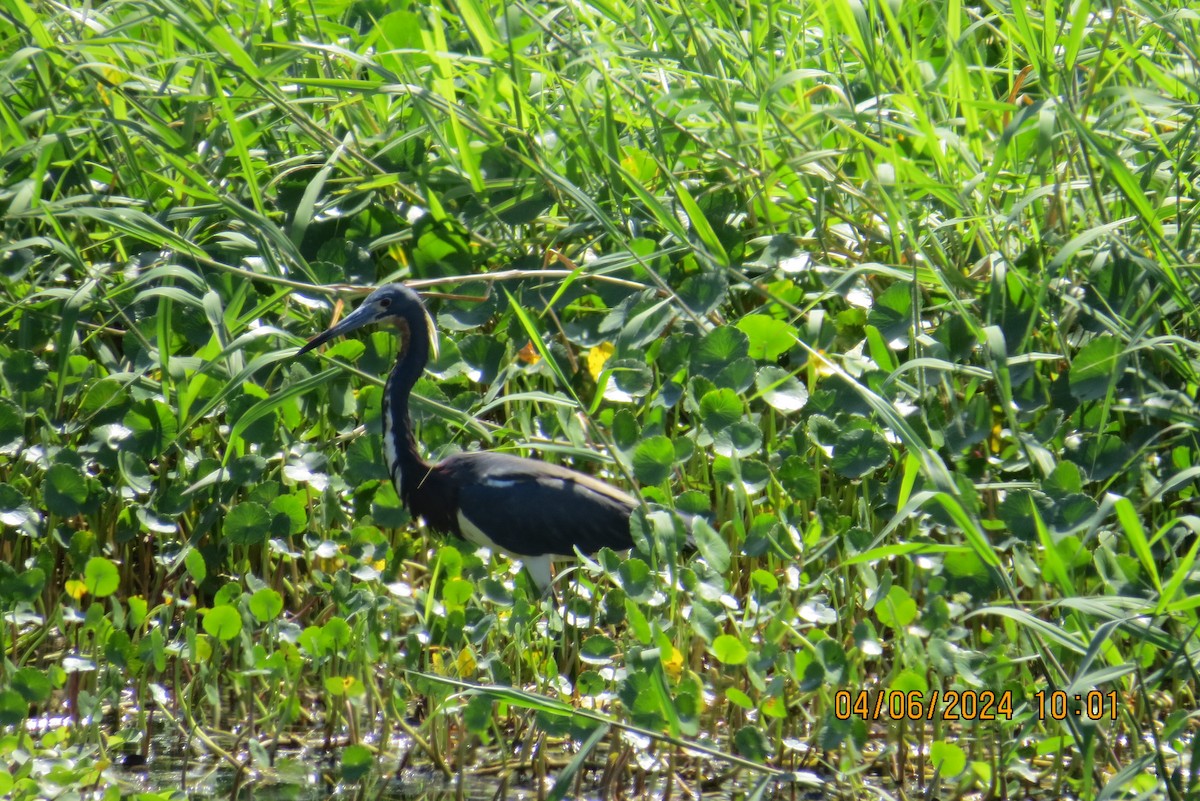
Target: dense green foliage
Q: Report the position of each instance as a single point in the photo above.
(901, 296)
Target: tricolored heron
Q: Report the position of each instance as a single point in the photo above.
(530, 510)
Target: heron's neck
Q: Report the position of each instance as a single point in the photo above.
(404, 462)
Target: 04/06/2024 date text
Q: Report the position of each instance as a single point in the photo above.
(894, 705)
(949, 705)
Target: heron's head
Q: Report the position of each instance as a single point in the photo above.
(394, 303)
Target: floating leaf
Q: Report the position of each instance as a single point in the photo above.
(859, 452)
(751, 475)
(892, 313)
(597, 650)
(289, 515)
(1073, 511)
(712, 545)
(24, 371)
(65, 490)
(719, 347)
(909, 681)
(823, 431)
(675, 353)
(13, 708)
(720, 408)
(742, 439)
(799, 479)
(738, 375)
(266, 604)
(229, 593)
(12, 423)
(765, 534)
(222, 622)
(15, 511)
(135, 472)
(1096, 367)
(703, 292)
(637, 320)
(483, 355)
(652, 459)
(356, 762)
(589, 683)
(630, 378)
(780, 389)
(1101, 457)
(247, 524)
(456, 592)
(635, 579)
(153, 427)
(947, 758)
(1016, 510)
(119, 649)
(32, 684)
(364, 462)
(729, 650)
(764, 583)
(768, 337)
(964, 569)
(21, 587)
(1066, 479)
(100, 576)
(898, 609)
(193, 562)
(751, 743)
(477, 715)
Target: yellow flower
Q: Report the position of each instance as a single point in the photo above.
(597, 357)
(673, 662)
(466, 663)
(822, 365)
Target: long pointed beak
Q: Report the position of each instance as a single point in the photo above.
(356, 319)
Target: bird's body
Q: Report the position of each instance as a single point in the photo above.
(530, 510)
(521, 507)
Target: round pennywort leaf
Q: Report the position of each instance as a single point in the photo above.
(223, 622)
(652, 459)
(356, 762)
(266, 604)
(100, 576)
(153, 425)
(718, 348)
(1096, 367)
(24, 371)
(65, 490)
(247, 524)
(729, 650)
(781, 390)
(768, 338)
(859, 452)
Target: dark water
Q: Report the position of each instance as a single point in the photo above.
(298, 778)
(307, 779)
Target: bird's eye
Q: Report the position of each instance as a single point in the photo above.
(385, 302)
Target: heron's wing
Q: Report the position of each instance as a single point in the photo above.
(529, 508)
